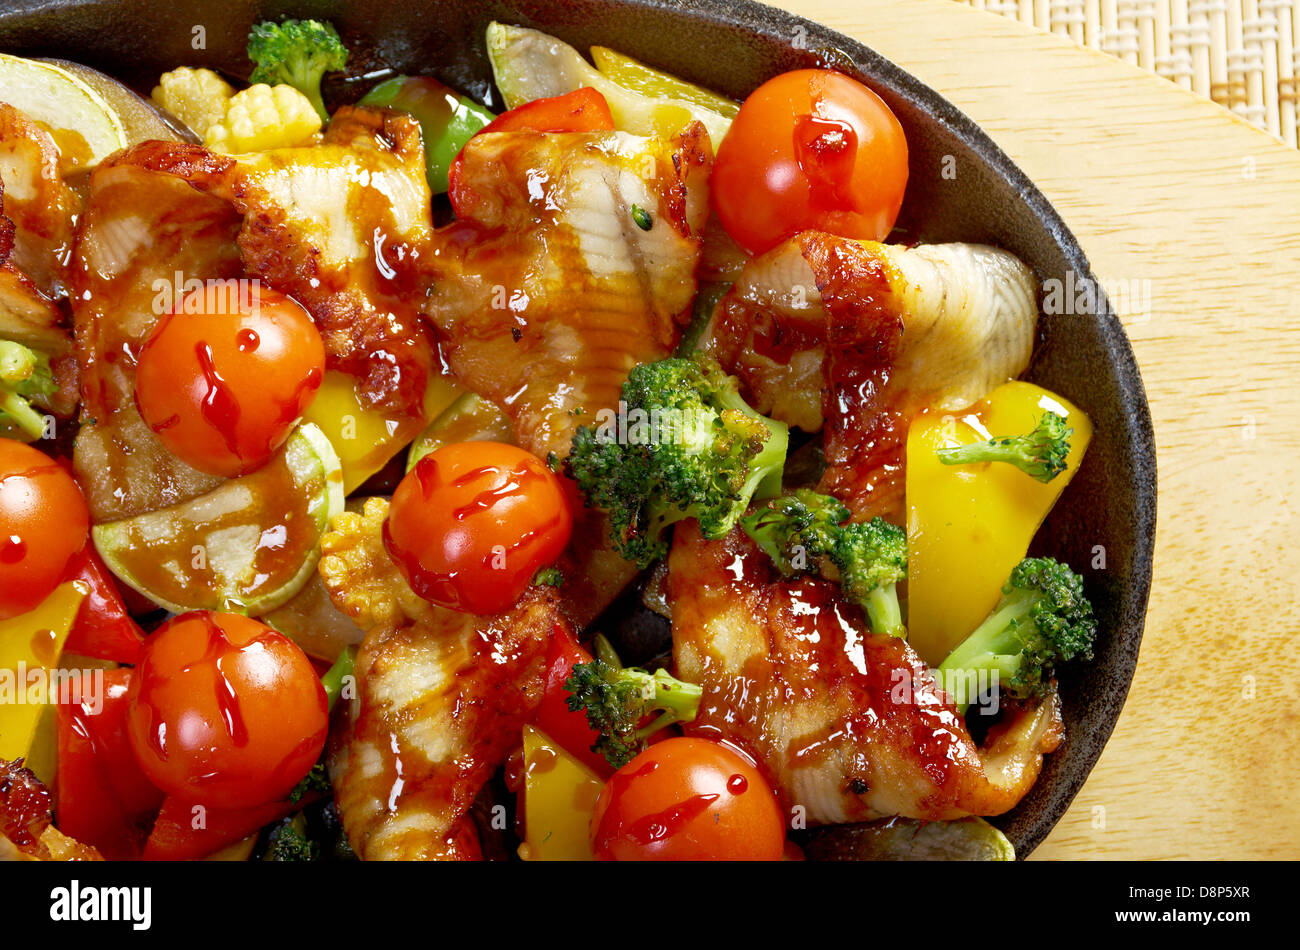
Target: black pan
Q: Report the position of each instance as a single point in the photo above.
(732, 46)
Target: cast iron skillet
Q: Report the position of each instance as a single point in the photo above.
(733, 46)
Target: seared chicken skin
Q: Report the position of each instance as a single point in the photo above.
(574, 260)
(859, 336)
(847, 725)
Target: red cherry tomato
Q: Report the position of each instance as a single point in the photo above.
(43, 526)
(687, 799)
(224, 377)
(583, 110)
(224, 711)
(472, 523)
(810, 149)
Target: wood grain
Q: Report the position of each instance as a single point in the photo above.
(1172, 192)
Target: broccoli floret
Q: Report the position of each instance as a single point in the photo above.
(1040, 454)
(617, 700)
(797, 530)
(872, 559)
(24, 375)
(807, 531)
(315, 782)
(299, 53)
(1043, 619)
(690, 447)
(290, 842)
(548, 577)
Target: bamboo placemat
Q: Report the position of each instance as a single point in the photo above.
(1243, 54)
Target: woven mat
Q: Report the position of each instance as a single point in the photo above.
(1243, 54)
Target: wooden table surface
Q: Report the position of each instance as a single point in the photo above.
(1170, 191)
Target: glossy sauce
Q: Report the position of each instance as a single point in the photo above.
(282, 509)
(822, 658)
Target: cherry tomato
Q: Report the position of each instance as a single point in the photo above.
(223, 378)
(687, 799)
(810, 149)
(224, 711)
(43, 526)
(472, 523)
(583, 110)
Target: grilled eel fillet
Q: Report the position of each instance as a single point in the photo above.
(860, 336)
(440, 705)
(574, 260)
(847, 725)
(440, 702)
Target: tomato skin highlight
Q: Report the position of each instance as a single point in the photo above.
(472, 523)
(688, 799)
(225, 711)
(223, 390)
(44, 524)
(810, 150)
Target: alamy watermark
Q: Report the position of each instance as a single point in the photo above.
(37, 686)
(217, 296)
(1081, 296)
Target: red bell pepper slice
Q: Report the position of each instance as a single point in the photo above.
(175, 837)
(104, 799)
(103, 628)
(554, 717)
(583, 110)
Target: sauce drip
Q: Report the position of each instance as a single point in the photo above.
(219, 407)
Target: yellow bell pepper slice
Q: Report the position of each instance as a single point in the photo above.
(637, 76)
(365, 439)
(969, 525)
(559, 797)
(29, 642)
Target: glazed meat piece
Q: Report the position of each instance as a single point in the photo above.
(337, 226)
(39, 203)
(440, 706)
(574, 260)
(848, 725)
(860, 336)
(341, 227)
(26, 829)
(143, 233)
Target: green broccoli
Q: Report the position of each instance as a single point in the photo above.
(299, 53)
(1043, 619)
(687, 446)
(1040, 453)
(314, 784)
(807, 531)
(548, 577)
(616, 701)
(24, 375)
(289, 841)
